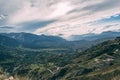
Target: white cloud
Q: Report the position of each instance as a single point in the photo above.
(68, 30)
(2, 16)
(72, 16)
(61, 9)
(81, 18)
(30, 12)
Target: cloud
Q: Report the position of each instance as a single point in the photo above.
(106, 4)
(78, 18)
(68, 29)
(55, 17)
(34, 25)
(30, 12)
(6, 27)
(2, 16)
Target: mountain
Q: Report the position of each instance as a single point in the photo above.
(91, 36)
(8, 41)
(101, 62)
(28, 37)
(29, 40)
(98, 62)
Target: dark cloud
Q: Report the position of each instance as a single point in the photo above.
(109, 26)
(105, 5)
(73, 11)
(33, 25)
(6, 27)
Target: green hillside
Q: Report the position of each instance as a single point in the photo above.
(100, 62)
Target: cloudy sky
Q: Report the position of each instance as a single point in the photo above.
(59, 17)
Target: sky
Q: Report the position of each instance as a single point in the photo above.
(59, 17)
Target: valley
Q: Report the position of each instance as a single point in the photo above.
(58, 61)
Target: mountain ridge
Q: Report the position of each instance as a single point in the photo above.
(93, 36)
(33, 41)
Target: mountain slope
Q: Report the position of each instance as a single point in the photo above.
(8, 41)
(28, 37)
(36, 41)
(101, 62)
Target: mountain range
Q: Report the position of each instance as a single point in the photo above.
(99, 62)
(28, 40)
(93, 36)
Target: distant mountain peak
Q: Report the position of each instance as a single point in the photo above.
(92, 36)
